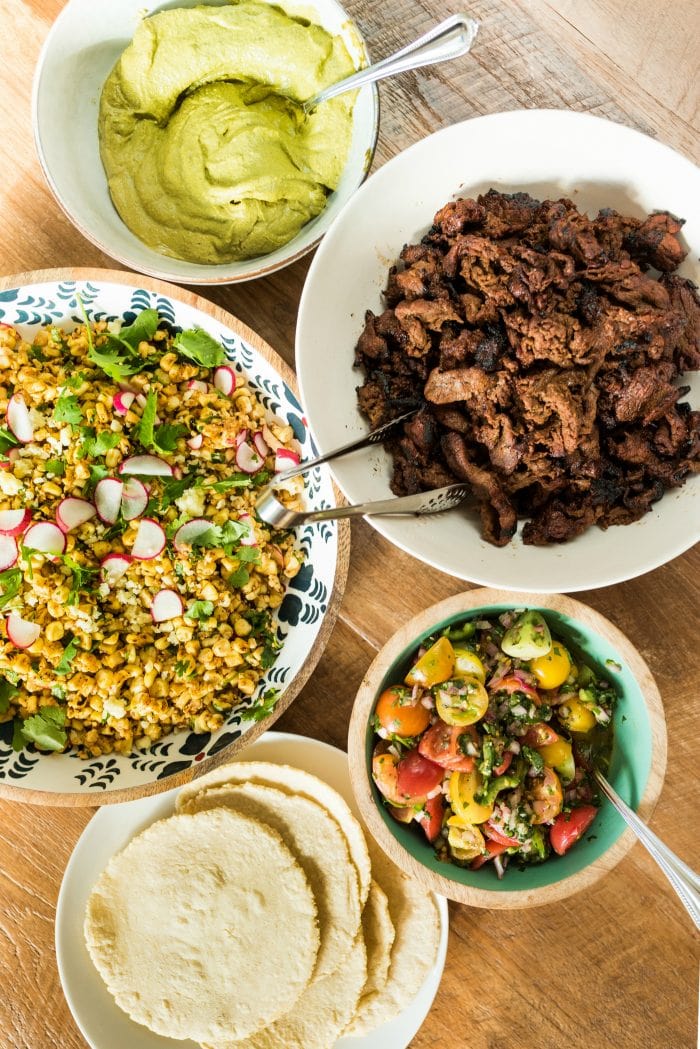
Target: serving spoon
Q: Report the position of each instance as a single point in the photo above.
(270, 510)
(450, 39)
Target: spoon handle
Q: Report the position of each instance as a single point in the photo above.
(449, 39)
(683, 879)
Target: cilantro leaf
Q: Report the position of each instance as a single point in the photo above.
(35, 354)
(534, 759)
(82, 578)
(67, 409)
(143, 329)
(200, 610)
(69, 653)
(45, 729)
(108, 358)
(239, 577)
(97, 472)
(263, 705)
(173, 489)
(56, 467)
(166, 436)
(236, 481)
(162, 438)
(7, 692)
(11, 581)
(249, 554)
(200, 347)
(93, 444)
(76, 381)
(183, 668)
(144, 428)
(7, 441)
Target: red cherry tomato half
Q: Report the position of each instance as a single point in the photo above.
(514, 684)
(416, 776)
(441, 745)
(505, 764)
(492, 849)
(435, 807)
(540, 735)
(568, 827)
(492, 831)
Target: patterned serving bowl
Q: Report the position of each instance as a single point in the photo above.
(307, 614)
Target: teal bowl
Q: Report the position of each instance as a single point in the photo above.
(637, 764)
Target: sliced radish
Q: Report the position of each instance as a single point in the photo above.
(8, 551)
(113, 567)
(197, 384)
(73, 512)
(20, 632)
(14, 522)
(270, 438)
(167, 604)
(195, 443)
(248, 459)
(146, 466)
(285, 459)
(259, 442)
(150, 540)
(45, 537)
(134, 499)
(241, 437)
(225, 380)
(18, 419)
(191, 530)
(248, 540)
(108, 499)
(177, 473)
(122, 401)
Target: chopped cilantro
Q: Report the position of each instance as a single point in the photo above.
(7, 441)
(11, 581)
(58, 692)
(35, 354)
(224, 536)
(97, 472)
(161, 438)
(248, 554)
(269, 654)
(173, 489)
(262, 707)
(179, 569)
(236, 481)
(82, 578)
(45, 729)
(183, 668)
(68, 410)
(200, 610)
(534, 759)
(56, 467)
(69, 653)
(74, 382)
(143, 329)
(110, 358)
(7, 692)
(239, 577)
(94, 444)
(200, 347)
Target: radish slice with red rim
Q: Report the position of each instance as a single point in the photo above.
(248, 459)
(146, 466)
(113, 567)
(18, 419)
(270, 438)
(150, 540)
(134, 499)
(241, 436)
(46, 538)
(21, 633)
(197, 384)
(259, 442)
(14, 522)
(195, 443)
(8, 551)
(190, 531)
(122, 401)
(108, 499)
(167, 604)
(225, 380)
(249, 539)
(72, 512)
(285, 459)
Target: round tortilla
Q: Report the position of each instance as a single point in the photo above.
(292, 781)
(378, 932)
(319, 847)
(204, 927)
(320, 1015)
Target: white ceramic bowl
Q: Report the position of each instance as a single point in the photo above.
(304, 620)
(83, 45)
(548, 153)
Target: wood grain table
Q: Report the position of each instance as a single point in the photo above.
(614, 965)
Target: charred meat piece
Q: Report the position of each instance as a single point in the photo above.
(654, 242)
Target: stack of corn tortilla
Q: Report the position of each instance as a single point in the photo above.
(254, 918)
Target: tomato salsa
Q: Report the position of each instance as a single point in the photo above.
(489, 742)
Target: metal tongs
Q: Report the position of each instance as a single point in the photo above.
(270, 510)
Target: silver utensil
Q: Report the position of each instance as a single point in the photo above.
(270, 510)
(373, 437)
(449, 39)
(683, 879)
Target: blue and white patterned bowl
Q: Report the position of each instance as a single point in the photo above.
(305, 617)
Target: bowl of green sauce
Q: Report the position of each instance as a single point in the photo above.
(175, 140)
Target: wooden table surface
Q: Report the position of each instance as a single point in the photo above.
(615, 965)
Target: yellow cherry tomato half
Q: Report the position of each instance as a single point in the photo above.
(559, 756)
(553, 669)
(575, 716)
(434, 666)
(468, 663)
(463, 787)
(465, 840)
(399, 715)
(462, 701)
(547, 797)
(384, 775)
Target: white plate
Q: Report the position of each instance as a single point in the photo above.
(101, 1021)
(548, 153)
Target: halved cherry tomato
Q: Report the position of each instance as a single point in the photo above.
(462, 701)
(512, 684)
(467, 662)
(416, 776)
(441, 744)
(547, 797)
(553, 669)
(505, 764)
(435, 808)
(568, 827)
(465, 840)
(399, 715)
(406, 814)
(384, 774)
(576, 716)
(559, 756)
(492, 830)
(434, 666)
(540, 735)
(493, 848)
(463, 787)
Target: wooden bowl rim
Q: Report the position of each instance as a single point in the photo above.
(82, 799)
(364, 704)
